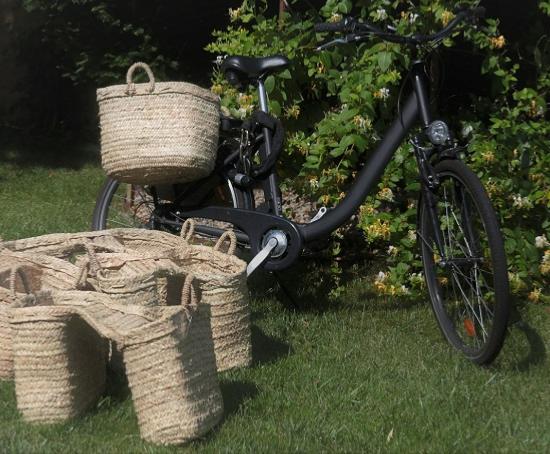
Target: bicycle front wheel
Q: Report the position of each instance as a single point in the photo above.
(468, 280)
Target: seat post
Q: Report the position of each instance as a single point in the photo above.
(262, 95)
(272, 194)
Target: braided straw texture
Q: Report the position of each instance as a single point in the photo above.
(169, 357)
(158, 133)
(173, 379)
(138, 279)
(59, 362)
(21, 274)
(222, 278)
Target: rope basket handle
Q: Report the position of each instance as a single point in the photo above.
(232, 245)
(189, 297)
(18, 269)
(187, 230)
(131, 87)
(89, 266)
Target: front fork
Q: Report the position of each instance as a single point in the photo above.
(429, 183)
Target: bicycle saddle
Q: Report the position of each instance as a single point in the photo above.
(239, 69)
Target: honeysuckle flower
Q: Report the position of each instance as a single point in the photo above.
(497, 42)
(386, 194)
(521, 202)
(466, 130)
(541, 242)
(380, 14)
(412, 18)
(383, 93)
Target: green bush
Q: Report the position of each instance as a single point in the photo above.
(336, 105)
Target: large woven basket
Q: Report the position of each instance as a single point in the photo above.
(169, 357)
(59, 361)
(155, 133)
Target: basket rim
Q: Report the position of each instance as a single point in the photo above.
(161, 88)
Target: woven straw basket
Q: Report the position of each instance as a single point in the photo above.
(136, 279)
(21, 274)
(155, 133)
(59, 361)
(223, 287)
(169, 357)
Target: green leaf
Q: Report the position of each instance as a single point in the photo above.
(269, 84)
(384, 60)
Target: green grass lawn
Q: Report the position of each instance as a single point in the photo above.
(359, 374)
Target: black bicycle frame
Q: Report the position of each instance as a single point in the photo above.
(256, 224)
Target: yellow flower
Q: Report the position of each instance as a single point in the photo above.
(367, 209)
(443, 281)
(335, 17)
(385, 194)
(534, 295)
(378, 230)
(321, 67)
(292, 112)
(498, 42)
(217, 89)
(325, 199)
(488, 156)
(446, 17)
(234, 14)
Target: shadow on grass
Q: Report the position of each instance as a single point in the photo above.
(235, 393)
(49, 153)
(523, 348)
(267, 349)
(308, 287)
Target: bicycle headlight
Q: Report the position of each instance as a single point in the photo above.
(438, 132)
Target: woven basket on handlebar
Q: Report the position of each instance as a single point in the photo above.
(155, 133)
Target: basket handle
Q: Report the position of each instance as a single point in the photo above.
(131, 87)
(13, 276)
(187, 230)
(91, 265)
(232, 245)
(189, 297)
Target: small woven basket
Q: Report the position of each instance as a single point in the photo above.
(155, 133)
(223, 288)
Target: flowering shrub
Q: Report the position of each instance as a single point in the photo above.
(336, 105)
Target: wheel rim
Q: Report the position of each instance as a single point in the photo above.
(133, 206)
(463, 285)
(129, 206)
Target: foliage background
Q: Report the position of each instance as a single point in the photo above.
(337, 104)
(492, 86)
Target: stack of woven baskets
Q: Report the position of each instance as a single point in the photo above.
(173, 313)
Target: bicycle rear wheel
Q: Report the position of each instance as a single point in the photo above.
(468, 281)
(133, 206)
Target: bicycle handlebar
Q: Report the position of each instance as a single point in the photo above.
(351, 25)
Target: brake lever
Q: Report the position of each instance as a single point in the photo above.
(346, 40)
(332, 43)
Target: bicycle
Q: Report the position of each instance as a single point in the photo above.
(457, 228)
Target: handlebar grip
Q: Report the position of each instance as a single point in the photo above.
(330, 26)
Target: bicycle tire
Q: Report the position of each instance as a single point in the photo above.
(469, 292)
(107, 199)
